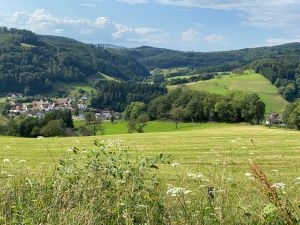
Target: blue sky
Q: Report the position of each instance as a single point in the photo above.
(198, 25)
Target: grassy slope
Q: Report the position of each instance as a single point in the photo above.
(248, 82)
(72, 88)
(201, 149)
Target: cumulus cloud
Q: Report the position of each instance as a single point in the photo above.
(214, 38)
(84, 29)
(189, 35)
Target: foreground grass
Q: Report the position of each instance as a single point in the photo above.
(206, 159)
(250, 82)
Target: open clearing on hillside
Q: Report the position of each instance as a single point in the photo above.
(276, 150)
(248, 82)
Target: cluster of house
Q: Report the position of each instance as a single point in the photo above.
(39, 108)
(42, 106)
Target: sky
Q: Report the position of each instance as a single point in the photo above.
(188, 25)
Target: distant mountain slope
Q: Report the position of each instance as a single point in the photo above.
(32, 63)
(248, 82)
(279, 64)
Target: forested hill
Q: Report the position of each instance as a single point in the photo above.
(32, 63)
(219, 61)
(279, 64)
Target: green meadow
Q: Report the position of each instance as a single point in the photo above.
(250, 82)
(195, 147)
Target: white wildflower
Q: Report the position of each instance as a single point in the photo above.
(10, 175)
(298, 178)
(6, 160)
(251, 153)
(274, 171)
(69, 150)
(22, 161)
(195, 175)
(176, 191)
(233, 141)
(141, 206)
(3, 172)
(175, 164)
(278, 185)
(77, 141)
(40, 137)
(243, 147)
(7, 146)
(248, 174)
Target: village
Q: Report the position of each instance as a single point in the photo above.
(38, 107)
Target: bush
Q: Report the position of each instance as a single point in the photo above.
(53, 128)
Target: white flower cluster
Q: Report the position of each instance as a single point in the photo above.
(278, 185)
(249, 176)
(177, 191)
(195, 175)
(6, 160)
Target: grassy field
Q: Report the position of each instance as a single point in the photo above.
(249, 82)
(275, 149)
(153, 126)
(209, 157)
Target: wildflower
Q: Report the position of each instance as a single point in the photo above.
(3, 172)
(248, 174)
(10, 175)
(7, 146)
(273, 170)
(40, 137)
(6, 160)
(175, 164)
(176, 191)
(195, 175)
(233, 141)
(69, 150)
(22, 161)
(278, 185)
(141, 206)
(251, 153)
(77, 141)
(243, 147)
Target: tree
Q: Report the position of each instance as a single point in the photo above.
(177, 114)
(136, 115)
(291, 115)
(93, 122)
(53, 128)
(138, 124)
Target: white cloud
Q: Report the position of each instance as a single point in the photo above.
(87, 5)
(280, 41)
(214, 38)
(134, 2)
(260, 13)
(101, 29)
(189, 35)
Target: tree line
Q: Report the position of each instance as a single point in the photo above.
(185, 105)
(115, 95)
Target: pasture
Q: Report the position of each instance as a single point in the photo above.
(195, 148)
(249, 82)
(213, 156)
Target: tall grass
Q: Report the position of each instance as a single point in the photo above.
(113, 183)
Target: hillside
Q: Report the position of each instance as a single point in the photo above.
(32, 64)
(279, 64)
(250, 82)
